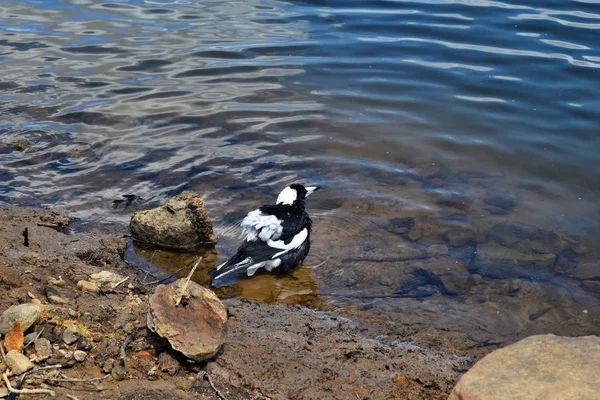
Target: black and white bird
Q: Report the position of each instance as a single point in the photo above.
(276, 237)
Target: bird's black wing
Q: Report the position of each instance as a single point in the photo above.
(291, 219)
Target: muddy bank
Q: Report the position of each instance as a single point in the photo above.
(272, 351)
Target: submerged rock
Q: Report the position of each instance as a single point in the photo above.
(182, 223)
(537, 367)
(499, 203)
(496, 261)
(195, 328)
(28, 314)
(458, 237)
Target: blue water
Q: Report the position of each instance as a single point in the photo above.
(236, 99)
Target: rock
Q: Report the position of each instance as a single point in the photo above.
(437, 249)
(28, 314)
(401, 381)
(499, 202)
(105, 278)
(196, 327)
(83, 344)
(182, 223)
(43, 349)
(3, 392)
(591, 286)
(585, 270)
(58, 300)
(426, 171)
(458, 237)
(30, 337)
(86, 286)
(71, 334)
(17, 362)
(538, 367)
(451, 272)
(399, 226)
(168, 363)
(79, 355)
(119, 372)
(530, 238)
(496, 261)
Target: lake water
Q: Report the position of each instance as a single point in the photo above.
(417, 117)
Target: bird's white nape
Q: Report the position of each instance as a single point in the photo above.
(287, 196)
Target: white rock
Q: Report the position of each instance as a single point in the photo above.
(17, 362)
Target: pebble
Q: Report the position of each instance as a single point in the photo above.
(17, 362)
(28, 314)
(86, 286)
(30, 337)
(105, 278)
(71, 334)
(458, 237)
(66, 354)
(437, 249)
(58, 300)
(79, 355)
(43, 349)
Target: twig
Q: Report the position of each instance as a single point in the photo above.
(36, 338)
(2, 351)
(212, 385)
(33, 371)
(320, 264)
(152, 256)
(187, 282)
(118, 283)
(67, 379)
(25, 391)
(70, 396)
(173, 274)
(123, 355)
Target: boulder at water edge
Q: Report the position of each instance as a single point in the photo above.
(538, 367)
(196, 327)
(181, 223)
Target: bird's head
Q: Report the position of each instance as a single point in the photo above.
(295, 194)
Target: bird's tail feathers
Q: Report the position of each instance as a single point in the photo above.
(234, 264)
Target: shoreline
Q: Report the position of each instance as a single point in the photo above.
(271, 350)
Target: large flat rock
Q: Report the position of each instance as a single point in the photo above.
(538, 367)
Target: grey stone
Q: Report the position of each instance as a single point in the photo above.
(496, 261)
(197, 327)
(182, 223)
(500, 199)
(458, 237)
(17, 362)
(30, 337)
(105, 278)
(71, 334)
(538, 367)
(79, 355)
(28, 314)
(43, 349)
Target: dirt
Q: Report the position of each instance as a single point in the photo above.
(276, 351)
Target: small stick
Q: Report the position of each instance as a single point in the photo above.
(173, 274)
(66, 379)
(212, 385)
(25, 391)
(123, 355)
(36, 338)
(2, 351)
(187, 282)
(118, 283)
(70, 396)
(56, 366)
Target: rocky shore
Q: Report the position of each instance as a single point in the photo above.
(88, 314)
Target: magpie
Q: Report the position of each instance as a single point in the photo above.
(275, 236)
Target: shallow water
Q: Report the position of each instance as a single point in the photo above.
(457, 114)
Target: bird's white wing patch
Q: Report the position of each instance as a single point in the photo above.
(258, 225)
(294, 244)
(269, 266)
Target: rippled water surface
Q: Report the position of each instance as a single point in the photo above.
(417, 117)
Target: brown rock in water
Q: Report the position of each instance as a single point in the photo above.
(538, 367)
(196, 327)
(182, 224)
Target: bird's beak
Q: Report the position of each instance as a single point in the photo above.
(311, 189)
